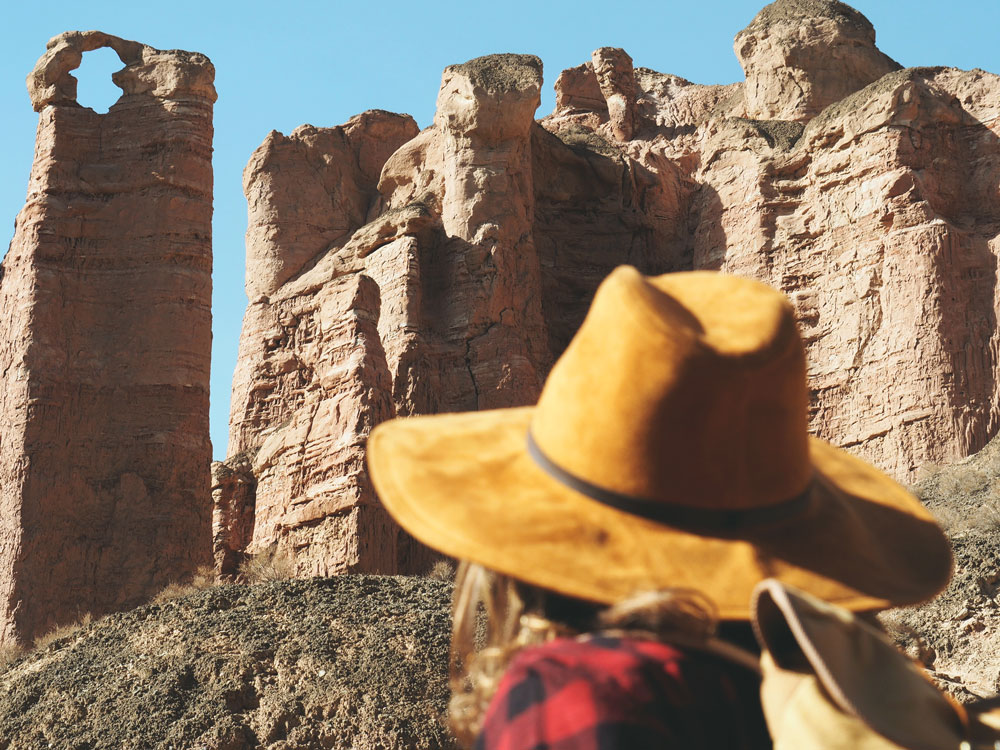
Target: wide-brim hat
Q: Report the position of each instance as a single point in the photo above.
(669, 449)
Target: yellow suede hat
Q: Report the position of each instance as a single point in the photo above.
(669, 448)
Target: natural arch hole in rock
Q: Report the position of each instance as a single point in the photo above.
(95, 88)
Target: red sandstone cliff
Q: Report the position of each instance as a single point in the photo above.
(105, 308)
(452, 279)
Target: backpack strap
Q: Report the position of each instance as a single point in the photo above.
(832, 680)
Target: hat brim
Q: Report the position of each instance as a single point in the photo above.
(465, 485)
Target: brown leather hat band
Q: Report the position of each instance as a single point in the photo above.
(684, 517)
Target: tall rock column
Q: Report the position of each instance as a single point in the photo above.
(105, 314)
(312, 377)
(480, 282)
(616, 78)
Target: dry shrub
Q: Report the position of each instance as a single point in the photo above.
(952, 519)
(987, 517)
(265, 566)
(62, 631)
(926, 472)
(203, 578)
(442, 570)
(962, 480)
(10, 653)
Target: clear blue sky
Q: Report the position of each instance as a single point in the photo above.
(279, 65)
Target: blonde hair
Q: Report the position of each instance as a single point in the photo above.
(494, 616)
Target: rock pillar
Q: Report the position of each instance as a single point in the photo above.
(105, 314)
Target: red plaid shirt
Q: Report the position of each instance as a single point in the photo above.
(610, 693)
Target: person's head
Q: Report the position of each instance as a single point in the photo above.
(668, 451)
(496, 615)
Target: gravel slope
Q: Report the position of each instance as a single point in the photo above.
(957, 635)
(361, 661)
(349, 662)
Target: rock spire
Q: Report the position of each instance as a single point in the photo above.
(105, 309)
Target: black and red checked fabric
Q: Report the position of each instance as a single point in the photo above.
(605, 693)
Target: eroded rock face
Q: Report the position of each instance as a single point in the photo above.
(488, 234)
(882, 224)
(870, 195)
(234, 496)
(801, 56)
(313, 502)
(312, 188)
(105, 308)
(312, 377)
(434, 305)
(481, 317)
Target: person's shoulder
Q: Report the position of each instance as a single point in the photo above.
(592, 692)
(624, 692)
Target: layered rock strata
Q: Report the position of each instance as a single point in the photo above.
(487, 235)
(882, 223)
(312, 377)
(869, 194)
(105, 308)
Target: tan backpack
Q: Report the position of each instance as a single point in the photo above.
(832, 681)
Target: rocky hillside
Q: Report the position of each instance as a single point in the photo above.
(957, 636)
(361, 661)
(354, 661)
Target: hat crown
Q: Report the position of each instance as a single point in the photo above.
(687, 389)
